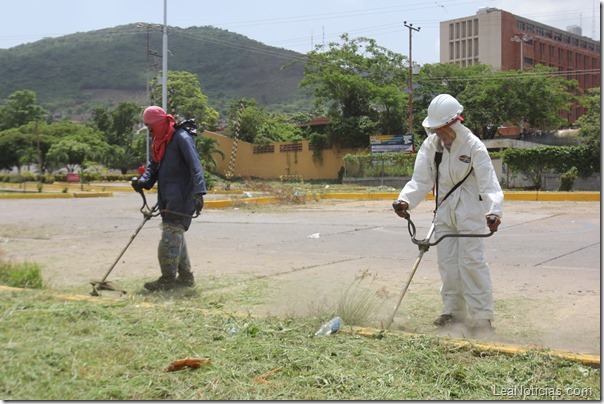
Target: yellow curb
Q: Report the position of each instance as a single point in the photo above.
(42, 195)
(553, 196)
(584, 358)
(32, 195)
(510, 195)
(91, 194)
(225, 203)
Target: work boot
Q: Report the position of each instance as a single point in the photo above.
(185, 279)
(163, 283)
(444, 319)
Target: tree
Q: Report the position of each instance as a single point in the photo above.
(494, 98)
(245, 117)
(30, 143)
(257, 126)
(185, 99)
(444, 78)
(79, 147)
(590, 123)
(360, 83)
(118, 127)
(20, 108)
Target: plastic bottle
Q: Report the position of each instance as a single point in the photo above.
(330, 327)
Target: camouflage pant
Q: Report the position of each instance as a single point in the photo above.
(172, 251)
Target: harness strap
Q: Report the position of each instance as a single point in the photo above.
(437, 159)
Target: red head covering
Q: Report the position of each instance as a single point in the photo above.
(162, 127)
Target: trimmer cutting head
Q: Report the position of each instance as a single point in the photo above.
(107, 285)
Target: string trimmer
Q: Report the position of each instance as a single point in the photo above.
(103, 284)
(148, 213)
(424, 245)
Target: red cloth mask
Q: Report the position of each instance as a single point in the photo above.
(162, 128)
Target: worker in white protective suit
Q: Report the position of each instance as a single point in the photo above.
(475, 204)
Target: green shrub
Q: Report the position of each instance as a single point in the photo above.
(23, 275)
(567, 180)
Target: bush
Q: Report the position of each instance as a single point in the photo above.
(379, 165)
(567, 180)
(536, 161)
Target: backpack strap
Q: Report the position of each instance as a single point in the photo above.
(438, 156)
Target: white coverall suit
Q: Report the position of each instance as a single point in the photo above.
(466, 281)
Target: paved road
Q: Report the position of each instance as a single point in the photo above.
(545, 260)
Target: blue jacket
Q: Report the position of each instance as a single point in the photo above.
(179, 176)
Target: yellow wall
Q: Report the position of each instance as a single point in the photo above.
(277, 163)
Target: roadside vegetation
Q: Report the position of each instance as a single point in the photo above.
(20, 275)
(118, 349)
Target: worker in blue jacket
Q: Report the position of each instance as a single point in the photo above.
(177, 169)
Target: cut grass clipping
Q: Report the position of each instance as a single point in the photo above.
(119, 349)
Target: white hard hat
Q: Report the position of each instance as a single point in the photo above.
(443, 110)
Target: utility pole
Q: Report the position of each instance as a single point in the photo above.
(164, 92)
(147, 26)
(411, 29)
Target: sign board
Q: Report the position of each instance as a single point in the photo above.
(391, 143)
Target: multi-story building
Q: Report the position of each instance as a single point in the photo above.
(509, 42)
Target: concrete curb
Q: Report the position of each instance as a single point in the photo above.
(584, 358)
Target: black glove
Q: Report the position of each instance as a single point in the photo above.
(137, 186)
(198, 199)
(493, 222)
(400, 208)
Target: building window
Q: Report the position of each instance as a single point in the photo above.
(470, 48)
(457, 30)
(476, 48)
(476, 27)
(463, 29)
(520, 25)
(450, 32)
(470, 33)
(451, 51)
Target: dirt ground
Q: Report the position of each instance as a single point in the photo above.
(545, 260)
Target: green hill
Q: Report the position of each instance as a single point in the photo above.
(75, 73)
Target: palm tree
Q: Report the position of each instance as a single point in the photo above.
(207, 147)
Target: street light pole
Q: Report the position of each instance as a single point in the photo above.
(411, 29)
(525, 38)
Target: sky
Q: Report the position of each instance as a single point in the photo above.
(297, 26)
